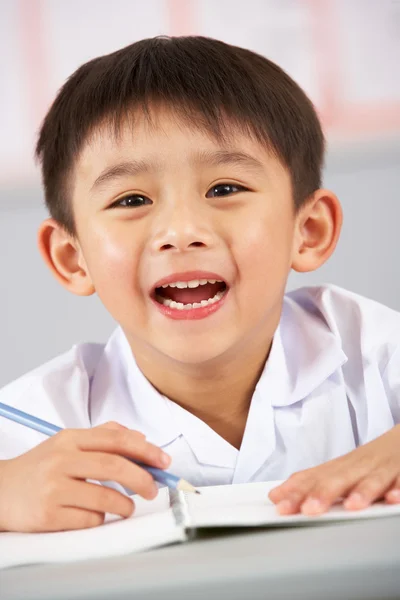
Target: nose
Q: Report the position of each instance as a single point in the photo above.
(181, 230)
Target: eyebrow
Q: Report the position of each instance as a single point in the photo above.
(124, 169)
(205, 158)
(229, 158)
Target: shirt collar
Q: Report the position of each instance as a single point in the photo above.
(304, 353)
(120, 392)
(163, 421)
(206, 444)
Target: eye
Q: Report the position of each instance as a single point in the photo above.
(224, 189)
(131, 201)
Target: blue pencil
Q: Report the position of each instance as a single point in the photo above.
(23, 418)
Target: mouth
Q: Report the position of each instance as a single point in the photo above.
(190, 295)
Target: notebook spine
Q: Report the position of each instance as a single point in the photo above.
(180, 508)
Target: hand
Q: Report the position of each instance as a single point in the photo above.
(45, 489)
(367, 474)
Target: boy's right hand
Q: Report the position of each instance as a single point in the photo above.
(45, 488)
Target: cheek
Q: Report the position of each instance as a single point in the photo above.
(112, 261)
(263, 256)
(264, 249)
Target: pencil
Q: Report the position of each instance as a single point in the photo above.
(23, 418)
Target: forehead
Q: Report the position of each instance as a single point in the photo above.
(164, 139)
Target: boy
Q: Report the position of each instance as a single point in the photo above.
(183, 181)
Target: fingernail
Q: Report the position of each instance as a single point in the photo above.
(393, 496)
(355, 501)
(312, 506)
(154, 492)
(165, 459)
(285, 507)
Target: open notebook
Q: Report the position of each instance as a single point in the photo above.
(171, 517)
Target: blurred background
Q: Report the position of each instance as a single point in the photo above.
(344, 53)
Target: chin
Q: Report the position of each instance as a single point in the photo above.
(194, 354)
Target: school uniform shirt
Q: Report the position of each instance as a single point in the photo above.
(331, 383)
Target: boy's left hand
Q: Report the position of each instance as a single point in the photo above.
(369, 473)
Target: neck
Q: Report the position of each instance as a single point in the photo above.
(218, 393)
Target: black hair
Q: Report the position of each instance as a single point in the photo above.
(209, 82)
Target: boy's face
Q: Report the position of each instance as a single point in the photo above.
(190, 208)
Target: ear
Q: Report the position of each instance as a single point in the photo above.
(63, 255)
(318, 226)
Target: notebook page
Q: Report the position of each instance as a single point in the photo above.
(152, 525)
(248, 505)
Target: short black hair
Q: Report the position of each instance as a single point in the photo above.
(212, 84)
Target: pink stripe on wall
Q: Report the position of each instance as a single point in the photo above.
(181, 17)
(338, 115)
(324, 45)
(31, 30)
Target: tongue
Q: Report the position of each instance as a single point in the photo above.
(191, 295)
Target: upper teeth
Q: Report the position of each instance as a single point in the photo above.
(191, 284)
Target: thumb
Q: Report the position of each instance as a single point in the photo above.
(112, 425)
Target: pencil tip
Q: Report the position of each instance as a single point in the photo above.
(185, 486)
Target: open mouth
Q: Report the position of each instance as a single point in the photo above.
(188, 295)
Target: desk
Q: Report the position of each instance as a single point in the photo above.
(350, 560)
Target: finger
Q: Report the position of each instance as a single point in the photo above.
(97, 498)
(276, 494)
(66, 519)
(76, 518)
(325, 493)
(111, 467)
(369, 489)
(297, 483)
(393, 495)
(289, 495)
(124, 442)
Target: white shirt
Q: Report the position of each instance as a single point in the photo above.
(331, 383)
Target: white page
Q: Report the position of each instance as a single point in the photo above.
(248, 505)
(152, 525)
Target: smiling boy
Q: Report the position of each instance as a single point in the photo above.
(183, 179)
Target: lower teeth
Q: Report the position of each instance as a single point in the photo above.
(181, 306)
